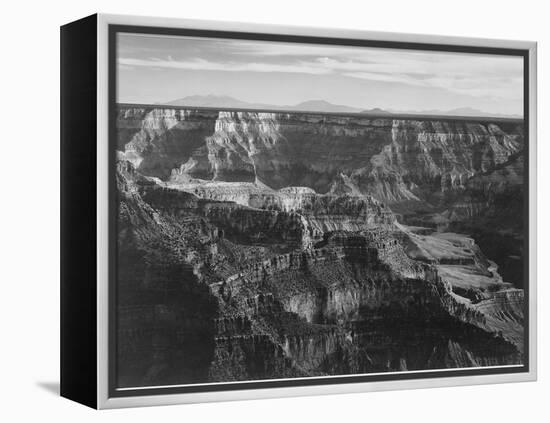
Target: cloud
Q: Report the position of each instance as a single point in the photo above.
(126, 67)
(489, 76)
(504, 88)
(255, 48)
(480, 78)
(206, 65)
(471, 74)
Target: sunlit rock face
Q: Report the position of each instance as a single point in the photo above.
(393, 159)
(274, 245)
(157, 140)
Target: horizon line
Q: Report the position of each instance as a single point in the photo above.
(365, 114)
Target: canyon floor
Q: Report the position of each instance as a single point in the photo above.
(270, 245)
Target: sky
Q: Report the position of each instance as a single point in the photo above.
(158, 69)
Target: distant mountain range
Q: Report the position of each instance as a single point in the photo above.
(321, 106)
(226, 101)
(214, 101)
(324, 106)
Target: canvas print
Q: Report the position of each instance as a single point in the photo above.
(294, 210)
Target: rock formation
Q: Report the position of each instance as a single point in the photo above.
(268, 245)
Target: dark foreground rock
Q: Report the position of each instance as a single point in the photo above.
(289, 282)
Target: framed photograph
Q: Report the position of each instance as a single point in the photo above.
(254, 211)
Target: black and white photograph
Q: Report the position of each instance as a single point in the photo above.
(277, 212)
(299, 211)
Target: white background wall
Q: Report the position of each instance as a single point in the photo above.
(29, 166)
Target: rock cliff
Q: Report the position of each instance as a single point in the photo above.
(393, 159)
(265, 245)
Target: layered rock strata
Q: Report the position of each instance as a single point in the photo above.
(263, 245)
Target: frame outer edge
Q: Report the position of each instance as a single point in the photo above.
(78, 311)
(533, 166)
(102, 214)
(103, 400)
(315, 31)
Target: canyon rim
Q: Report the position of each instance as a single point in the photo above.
(280, 237)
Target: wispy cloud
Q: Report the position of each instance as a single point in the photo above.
(480, 78)
(470, 74)
(205, 65)
(492, 78)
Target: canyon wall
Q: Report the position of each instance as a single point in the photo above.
(392, 159)
(273, 245)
